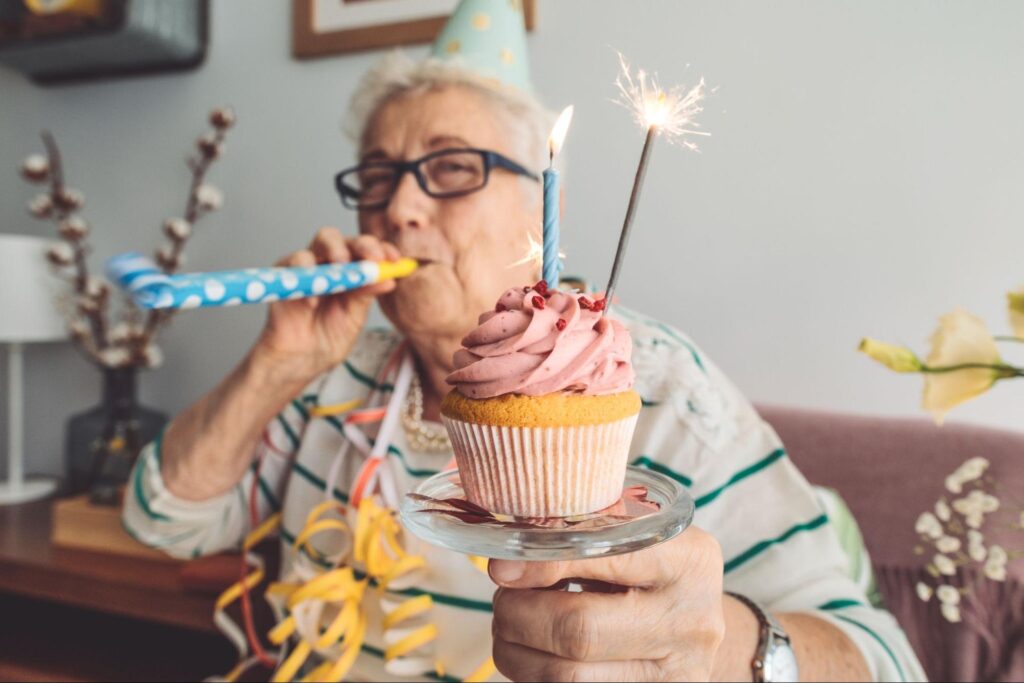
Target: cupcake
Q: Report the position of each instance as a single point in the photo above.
(542, 411)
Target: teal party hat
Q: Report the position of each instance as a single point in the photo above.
(488, 37)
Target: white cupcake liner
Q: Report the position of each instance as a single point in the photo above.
(542, 471)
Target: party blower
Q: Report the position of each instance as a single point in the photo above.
(151, 288)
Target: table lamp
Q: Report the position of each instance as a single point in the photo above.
(28, 313)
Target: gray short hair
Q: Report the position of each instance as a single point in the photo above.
(397, 75)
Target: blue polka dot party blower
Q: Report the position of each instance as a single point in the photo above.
(151, 288)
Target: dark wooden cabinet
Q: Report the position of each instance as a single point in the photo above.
(81, 616)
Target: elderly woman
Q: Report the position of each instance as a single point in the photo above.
(443, 177)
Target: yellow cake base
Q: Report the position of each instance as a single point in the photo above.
(552, 410)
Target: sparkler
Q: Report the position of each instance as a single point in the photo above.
(670, 113)
(534, 255)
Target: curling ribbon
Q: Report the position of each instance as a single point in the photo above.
(324, 610)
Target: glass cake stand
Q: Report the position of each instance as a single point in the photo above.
(664, 511)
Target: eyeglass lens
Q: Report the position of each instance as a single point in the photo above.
(449, 173)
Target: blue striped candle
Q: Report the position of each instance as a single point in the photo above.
(552, 264)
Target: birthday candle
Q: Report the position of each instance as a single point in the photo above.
(552, 265)
(151, 288)
(552, 188)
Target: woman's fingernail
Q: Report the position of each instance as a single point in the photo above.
(507, 571)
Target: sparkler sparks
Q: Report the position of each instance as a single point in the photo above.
(534, 254)
(671, 112)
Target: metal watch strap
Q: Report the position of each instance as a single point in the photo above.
(770, 630)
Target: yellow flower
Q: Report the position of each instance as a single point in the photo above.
(961, 339)
(1016, 306)
(898, 358)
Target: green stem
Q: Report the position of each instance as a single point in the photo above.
(1004, 370)
(1009, 338)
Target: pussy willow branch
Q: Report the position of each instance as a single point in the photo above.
(97, 324)
(199, 165)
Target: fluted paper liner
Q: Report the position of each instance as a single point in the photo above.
(542, 471)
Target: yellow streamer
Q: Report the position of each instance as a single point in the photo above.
(291, 666)
(482, 672)
(266, 527)
(336, 408)
(407, 610)
(417, 638)
(235, 591)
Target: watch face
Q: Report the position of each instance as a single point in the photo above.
(780, 665)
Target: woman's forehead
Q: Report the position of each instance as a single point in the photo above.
(438, 119)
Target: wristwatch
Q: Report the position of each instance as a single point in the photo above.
(774, 660)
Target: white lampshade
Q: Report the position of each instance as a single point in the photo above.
(28, 292)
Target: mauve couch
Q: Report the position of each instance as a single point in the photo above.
(889, 471)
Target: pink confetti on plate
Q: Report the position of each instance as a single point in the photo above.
(633, 504)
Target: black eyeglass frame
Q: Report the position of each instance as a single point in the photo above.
(349, 195)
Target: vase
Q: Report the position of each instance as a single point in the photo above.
(104, 442)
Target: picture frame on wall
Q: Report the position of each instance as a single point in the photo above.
(321, 28)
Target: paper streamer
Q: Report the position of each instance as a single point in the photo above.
(151, 288)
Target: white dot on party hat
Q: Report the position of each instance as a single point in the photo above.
(320, 285)
(214, 290)
(255, 290)
(192, 301)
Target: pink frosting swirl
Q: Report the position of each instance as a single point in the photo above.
(521, 347)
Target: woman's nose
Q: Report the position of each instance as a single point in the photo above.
(408, 207)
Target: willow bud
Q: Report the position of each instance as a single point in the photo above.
(60, 254)
(41, 206)
(209, 197)
(73, 228)
(35, 168)
(177, 229)
(222, 117)
(70, 199)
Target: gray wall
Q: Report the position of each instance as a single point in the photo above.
(864, 177)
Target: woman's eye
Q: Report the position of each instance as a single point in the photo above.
(454, 167)
(374, 179)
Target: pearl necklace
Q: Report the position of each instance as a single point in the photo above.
(424, 438)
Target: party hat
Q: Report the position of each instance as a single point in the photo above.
(488, 37)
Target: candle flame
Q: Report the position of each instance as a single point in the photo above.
(672, 112)
(558, 133)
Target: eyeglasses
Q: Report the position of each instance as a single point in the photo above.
(443, 174)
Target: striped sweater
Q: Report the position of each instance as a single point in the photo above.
(695, 427)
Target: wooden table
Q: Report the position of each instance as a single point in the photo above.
(76, 615)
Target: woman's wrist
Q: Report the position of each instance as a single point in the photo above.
(266, 368)
(735, 654)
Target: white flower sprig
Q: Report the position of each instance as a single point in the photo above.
(953, 530)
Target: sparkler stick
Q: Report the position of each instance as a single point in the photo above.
(638, 184)
(661, 112)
